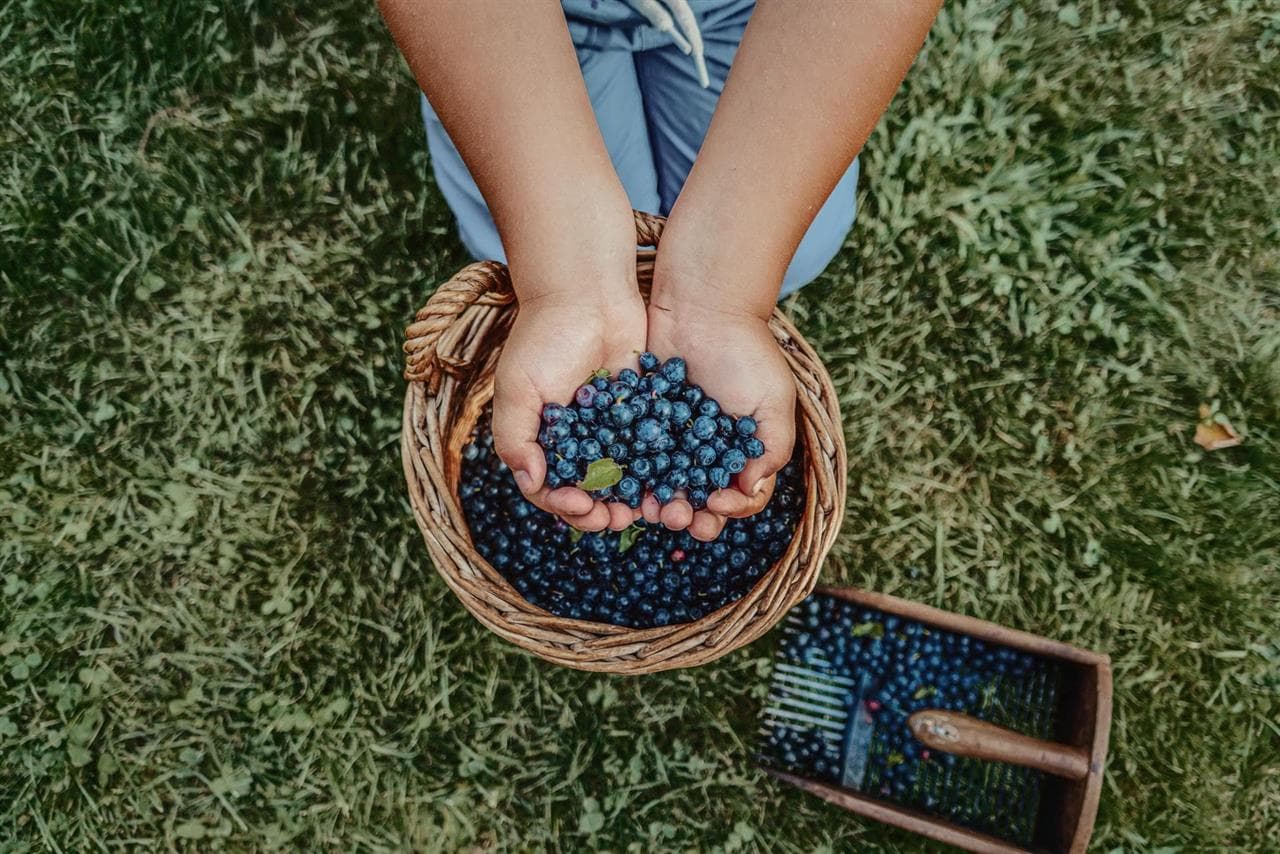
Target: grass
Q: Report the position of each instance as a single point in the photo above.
(218, 624)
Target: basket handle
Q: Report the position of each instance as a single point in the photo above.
(430, 341)
(962, 735)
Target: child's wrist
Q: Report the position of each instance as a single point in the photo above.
(588, 259)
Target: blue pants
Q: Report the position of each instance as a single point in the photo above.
(653, 114)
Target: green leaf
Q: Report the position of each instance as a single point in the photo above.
(628, 538)
(575, 534)
(600, 374)
(592, 820)
(189, 830)
(868, 628)
(79, 755)
(601, 474)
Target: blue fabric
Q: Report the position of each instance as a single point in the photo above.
(653, 115)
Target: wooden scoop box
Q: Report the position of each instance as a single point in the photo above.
(1068, 807)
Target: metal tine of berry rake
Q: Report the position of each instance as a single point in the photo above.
(814, 696)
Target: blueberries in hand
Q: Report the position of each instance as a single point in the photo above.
(636, 420)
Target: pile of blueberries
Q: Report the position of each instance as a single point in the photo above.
(664, 433)
(912, 667)
(641, 577)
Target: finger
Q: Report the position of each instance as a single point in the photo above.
(738, 503)
(565, 501)
(620, 516)
(706, 526)
(777, 431)
(596, 520)
(677, 514)
(650, 509)
(517, 414)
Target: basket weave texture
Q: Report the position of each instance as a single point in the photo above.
(451, 351)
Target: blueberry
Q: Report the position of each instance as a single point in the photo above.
(661, 409)
(618, 452)
(705, 455)
(661, 462)
(693, 395)
(689, 441)
(567, 470)
(628, 487)
(698, 498)
(680, 461)
(639, 406)
(621, 414)
(681, 412)
(628, 377)
(753, 448)
(709, 408)
(567, 448)
(719, 477)
(673, 369)
(678, 478)
(746, 426)
(641, 468)
(733, 460)
(704, 427)
(599, 383)
(638, 448)
(697, 476)
(620, 390)
(648, 430)
(660, 384)
(648, 361)
(552, 412)
(590, 450)
(554, 481)
(559, 430)
(664, 493)
(603, 400)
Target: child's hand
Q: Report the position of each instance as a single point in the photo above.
(736, 360)
(556, 342)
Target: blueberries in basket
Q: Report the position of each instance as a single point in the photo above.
(636, 420)
(642, 577)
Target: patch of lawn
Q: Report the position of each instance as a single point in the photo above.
(218, 623)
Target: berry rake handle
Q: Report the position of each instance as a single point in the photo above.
(967, 736)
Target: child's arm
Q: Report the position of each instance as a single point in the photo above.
(504, 79)
(807, 86)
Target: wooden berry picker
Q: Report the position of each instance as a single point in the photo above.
(637, 601)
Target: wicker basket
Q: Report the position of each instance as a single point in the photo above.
(452, 348)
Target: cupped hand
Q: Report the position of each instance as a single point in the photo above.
(556, 342)
(737, 361)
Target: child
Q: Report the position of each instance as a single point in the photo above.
(738, 120)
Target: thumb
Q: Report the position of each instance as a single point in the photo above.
(777, 430)
(517, 415)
